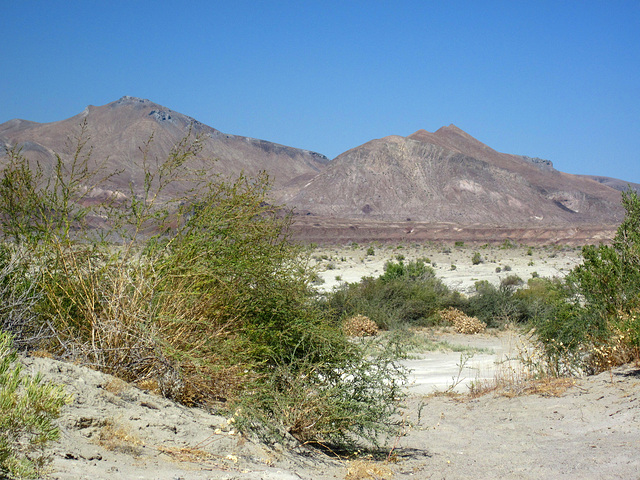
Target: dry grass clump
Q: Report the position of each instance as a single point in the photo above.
(618, 351)
(115, 386)
(368, 469)
(526, 373)
(520, 384)
(117, 437)
(185, 454)
(461, 322)
(359, 326)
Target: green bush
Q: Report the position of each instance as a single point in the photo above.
(476, 259)
(29, 408)
(404, 294)
(318, 403)
(598, 326)
(203, 294)
(511, 281)
(495, 306)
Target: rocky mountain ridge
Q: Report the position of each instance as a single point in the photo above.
(118, 131)
(433, 179)
(449, 176)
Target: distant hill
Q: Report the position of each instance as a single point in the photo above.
(117, 132)
(449, 176)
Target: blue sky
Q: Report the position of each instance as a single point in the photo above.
(558, 80)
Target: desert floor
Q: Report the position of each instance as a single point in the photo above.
(453, 264)
(586, 428)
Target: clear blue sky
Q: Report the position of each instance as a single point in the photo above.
(557, 79)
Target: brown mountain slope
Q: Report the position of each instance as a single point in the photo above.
(448, 176)
(118, 130)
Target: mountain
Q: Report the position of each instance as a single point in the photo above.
(449, 176)
(614, 183)
(116, 132)
(441, 185)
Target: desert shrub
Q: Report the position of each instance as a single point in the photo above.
(511, 281)
(202, 295)
(600, 328)
(405, 294)
(494, 306)
(359, 326)
(476, 259)
(29, 408)
(19, 295)
(507, 244)
(319, 404)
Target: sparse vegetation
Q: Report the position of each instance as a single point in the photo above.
(207, 299)
(406, 294)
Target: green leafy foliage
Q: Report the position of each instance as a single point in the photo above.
(29, 408)
(599, 324)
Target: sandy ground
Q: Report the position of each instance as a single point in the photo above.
(591, 430)
(460, 361)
